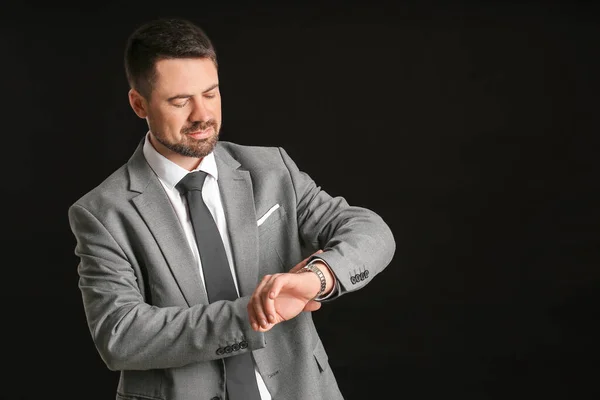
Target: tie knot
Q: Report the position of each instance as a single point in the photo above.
(192, 181)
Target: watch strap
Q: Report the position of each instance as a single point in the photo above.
(311, 267)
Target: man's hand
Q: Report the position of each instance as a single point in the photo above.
(280, 297)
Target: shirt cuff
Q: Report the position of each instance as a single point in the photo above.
(336, 285)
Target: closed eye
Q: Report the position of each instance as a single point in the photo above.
(181, 105)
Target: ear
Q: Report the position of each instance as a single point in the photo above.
(138, 103)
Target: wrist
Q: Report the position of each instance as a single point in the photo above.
(312, 268)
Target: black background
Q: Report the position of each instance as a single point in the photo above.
(470, 127)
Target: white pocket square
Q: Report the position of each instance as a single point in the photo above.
(267, 214)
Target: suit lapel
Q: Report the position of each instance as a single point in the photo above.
(235, 186)
(155, 208)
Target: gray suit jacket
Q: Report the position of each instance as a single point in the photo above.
(146, 309)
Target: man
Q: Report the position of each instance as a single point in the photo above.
(163, 241)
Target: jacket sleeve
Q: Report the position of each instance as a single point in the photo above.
(132, 334)
(357, 243)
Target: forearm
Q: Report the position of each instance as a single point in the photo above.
(357, 244)
(356, 254)
(128, 332)
(325, 273)
(140, 336)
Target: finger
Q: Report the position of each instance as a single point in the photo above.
(257, 303)
(277, 285)
(251, 314)
(254, 298)
(267, 300)
(272, 291)
(263, 330)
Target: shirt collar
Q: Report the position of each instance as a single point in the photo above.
(171, 173)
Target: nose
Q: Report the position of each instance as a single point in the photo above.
(200, 112)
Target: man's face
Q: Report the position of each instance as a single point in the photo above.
(184, 109)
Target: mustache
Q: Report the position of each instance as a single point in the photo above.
(200, 126)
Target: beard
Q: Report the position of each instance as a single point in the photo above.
(190, 147)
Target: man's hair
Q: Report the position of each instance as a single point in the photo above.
(164, 38)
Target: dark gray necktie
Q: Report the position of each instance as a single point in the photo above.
(241, 378)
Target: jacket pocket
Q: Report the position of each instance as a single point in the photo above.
(272, 242)
(270, 219)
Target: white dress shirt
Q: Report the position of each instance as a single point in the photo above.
(169, 175)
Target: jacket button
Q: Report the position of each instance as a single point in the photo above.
(227, 349)
(353, 280)
(357, 278)
(362, 276)
(243, 344)
(235, 347)
(220, 351)
(367, 273)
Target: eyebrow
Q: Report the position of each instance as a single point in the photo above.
(187, 96)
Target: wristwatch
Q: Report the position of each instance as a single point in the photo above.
(311, 267)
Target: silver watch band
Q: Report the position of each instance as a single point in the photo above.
(311, 267)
